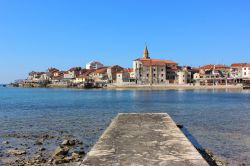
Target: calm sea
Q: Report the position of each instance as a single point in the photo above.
(218, 119)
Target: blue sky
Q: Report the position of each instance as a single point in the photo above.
(37, 34)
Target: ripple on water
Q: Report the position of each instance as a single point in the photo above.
(219, 120)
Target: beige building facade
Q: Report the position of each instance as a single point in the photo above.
(153, 71)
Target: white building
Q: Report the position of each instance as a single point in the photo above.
(239, 71)
(246, 71)
(182, 77)
(122, 77)
(94, 65)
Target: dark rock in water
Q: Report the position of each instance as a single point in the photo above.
(69, 142)
(60, 151)
(80, 152)
(38, 142)
(75, 156)
(179, 126)
(59, 161)
(72, 142)
(42, 149)
(47, 136)
(68, 159)
(16, 152)
(5, 142)
(65, 142)
(38, 156)
(62, 159)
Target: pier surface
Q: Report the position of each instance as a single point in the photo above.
(143, 139)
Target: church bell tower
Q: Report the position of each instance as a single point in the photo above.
(145, 53)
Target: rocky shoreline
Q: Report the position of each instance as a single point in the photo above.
(70, 150)
(136, 87)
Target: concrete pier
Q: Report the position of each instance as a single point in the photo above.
(143, 139)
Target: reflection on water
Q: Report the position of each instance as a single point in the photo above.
(219, 119)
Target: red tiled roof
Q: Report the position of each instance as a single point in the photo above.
(126, 70)
(158, 62)
(216, 66)
(240, 65)
(101, 70)
(195, 68)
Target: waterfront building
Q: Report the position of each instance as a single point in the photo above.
(72, 73)
(80, 79)
(112, 71)
(83, 76)
(154, 71)
(58, 77)
(182, 77)
(240, 72)
(213, 74)
(125, 76)
(94, 65)
(54, 72)
(99, 75)
(45, 77)
(34, 76)
(221, 69)
(246, 71)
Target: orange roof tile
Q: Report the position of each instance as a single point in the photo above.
(101, 70)
(240, 65)
(158, 62)
(126, 70)
(216, 66)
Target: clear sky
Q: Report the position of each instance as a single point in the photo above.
(37, 34)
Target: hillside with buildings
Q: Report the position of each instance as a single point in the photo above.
(145, 71)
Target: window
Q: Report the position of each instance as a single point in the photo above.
(162, 75)
(161, 69)
(147, 75)
(161, 80)
(245, 73)
(154, 69)
(154, 75)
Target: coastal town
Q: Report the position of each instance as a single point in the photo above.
(145, 71)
